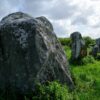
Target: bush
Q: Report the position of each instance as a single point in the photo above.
(52, 91)
(88, 59)
(65, 41)
(89, 41)
(82, 61)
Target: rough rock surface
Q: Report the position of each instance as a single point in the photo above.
(29, 52)
(98, 44)
(95, 51)
(78, 46)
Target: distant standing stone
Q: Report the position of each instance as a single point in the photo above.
(95, 51)
(98, 44)
(78, 46)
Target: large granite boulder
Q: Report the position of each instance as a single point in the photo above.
(78, 46)
(30, 52)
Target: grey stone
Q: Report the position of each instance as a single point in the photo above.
(98, 44)
(29, 52)
(78, 46)
(95, 51)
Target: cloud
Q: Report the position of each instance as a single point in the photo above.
(79, 20)
(61, 10)
(67, 16)
(10, 6)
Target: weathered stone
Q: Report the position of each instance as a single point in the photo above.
(29, 52)
(95, 51)
(47, 24)
(78, 46)
(98, 44)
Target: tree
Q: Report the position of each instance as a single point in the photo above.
(89, 41)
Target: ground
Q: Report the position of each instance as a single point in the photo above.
(86, 78)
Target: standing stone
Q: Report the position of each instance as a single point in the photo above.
(95, 51)
(98, 44)
(78, 46)
(29, 52)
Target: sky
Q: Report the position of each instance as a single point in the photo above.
(67, 16)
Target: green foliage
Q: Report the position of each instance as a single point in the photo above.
(87, 80)
(65, 41)
(89, 41)
(82, 61)
(52, 91)
(88, 59)
(67, 51)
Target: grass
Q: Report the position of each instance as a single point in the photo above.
(86, 78)
(67, 51)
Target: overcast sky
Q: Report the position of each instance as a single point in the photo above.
(66, 16)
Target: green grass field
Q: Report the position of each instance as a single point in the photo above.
(86, 78)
